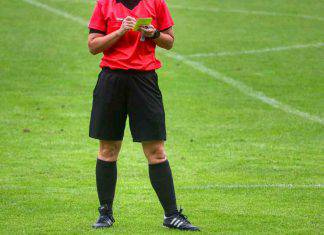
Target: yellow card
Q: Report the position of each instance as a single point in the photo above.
(142, 22)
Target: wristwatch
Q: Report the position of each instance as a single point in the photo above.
(156, 34)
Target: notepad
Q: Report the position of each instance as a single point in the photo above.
(142, 22)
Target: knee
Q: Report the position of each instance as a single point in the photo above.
(156, 155)
(109, 152)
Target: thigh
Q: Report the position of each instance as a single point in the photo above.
(145, 107)
(109, 107)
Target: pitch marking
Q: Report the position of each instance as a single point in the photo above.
(57, 11)
(264, 50)
(244, 88)
(203, 69)
(241, 11)
(251, 186)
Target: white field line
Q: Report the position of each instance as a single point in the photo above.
(203, 69)
(248, 12)
(245, 89)
(264, 50)
(252, 186)
(57, 11)
(194, 187)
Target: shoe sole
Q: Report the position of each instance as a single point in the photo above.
(101, 226)
(184, 230)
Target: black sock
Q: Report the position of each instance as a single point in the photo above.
(106, 176)
(162, 182)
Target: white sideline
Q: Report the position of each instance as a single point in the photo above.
(264, 50)
(200, 67)
(242, 11)
(244, 88)
(251, 186)
(57, 11)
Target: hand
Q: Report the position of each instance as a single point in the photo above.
(128, 24)
(147, 31)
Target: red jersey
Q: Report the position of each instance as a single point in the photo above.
(130, 52)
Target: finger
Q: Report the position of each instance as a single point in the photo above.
(144, 27)
(130, 19)
(149, 31)
(125, 22)
(128, 27)
(151, 27)
(130, 23)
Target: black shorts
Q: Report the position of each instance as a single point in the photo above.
(119, 93)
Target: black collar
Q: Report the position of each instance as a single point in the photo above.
(130, 4)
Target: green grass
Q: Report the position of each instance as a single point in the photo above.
(216, 135)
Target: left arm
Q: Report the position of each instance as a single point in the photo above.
(165, 40)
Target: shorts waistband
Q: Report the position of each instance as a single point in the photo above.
(128, 71)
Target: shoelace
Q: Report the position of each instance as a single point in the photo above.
(111, 219)
(108, 219)
(183, 217)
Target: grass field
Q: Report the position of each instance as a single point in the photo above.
(245, 123)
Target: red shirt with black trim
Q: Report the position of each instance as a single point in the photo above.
(130, 52)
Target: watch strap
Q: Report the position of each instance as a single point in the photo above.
(156, 34)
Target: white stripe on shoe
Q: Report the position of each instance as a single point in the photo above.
(179, 224)
(175, 224)
(173, 221)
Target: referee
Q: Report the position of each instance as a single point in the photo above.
(128, 85)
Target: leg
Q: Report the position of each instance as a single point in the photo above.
(107, 123)
(147, 124)
(161, 175)
(106, 172)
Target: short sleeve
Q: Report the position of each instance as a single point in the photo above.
(97, 20)
(164, 19)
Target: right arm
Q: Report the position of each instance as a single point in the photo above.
(97, 42)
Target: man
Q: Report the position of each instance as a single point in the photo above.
(128, 85)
